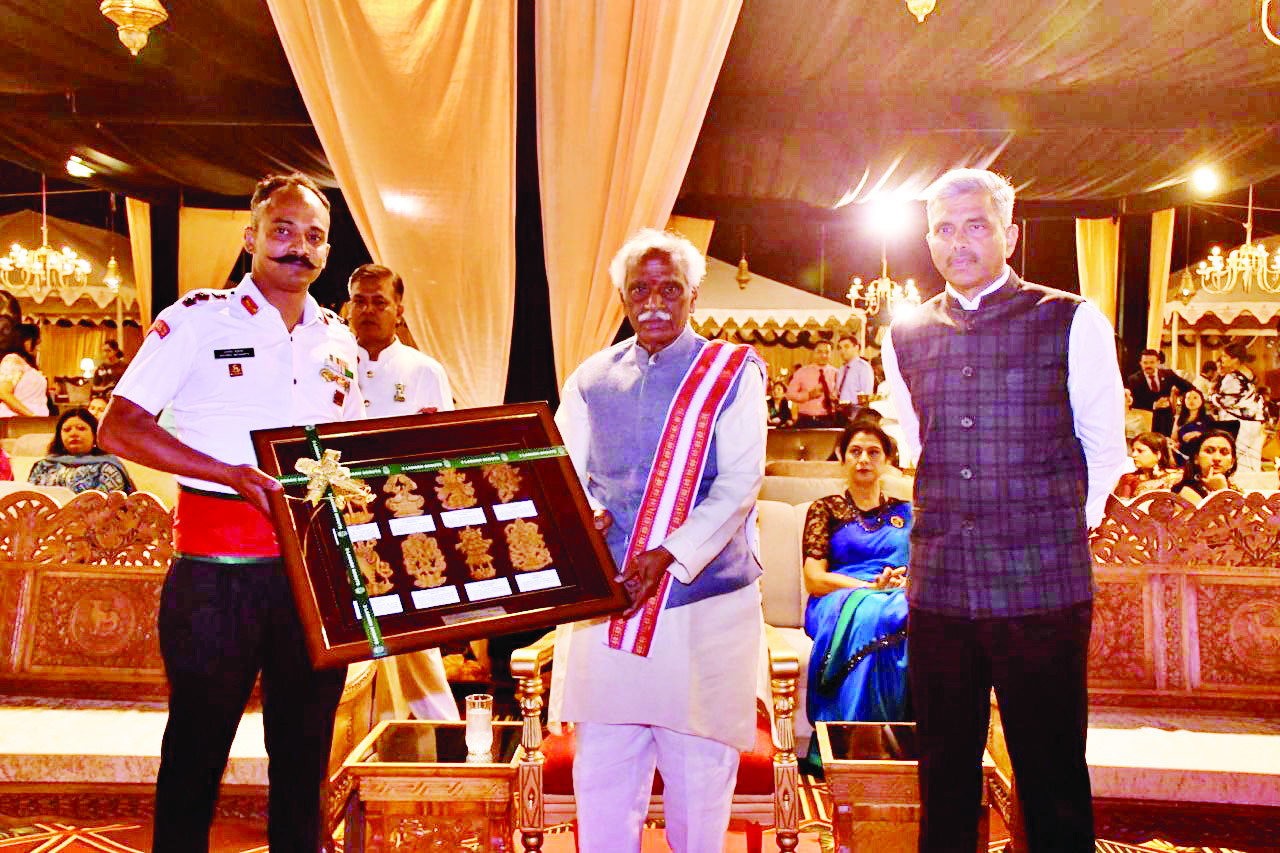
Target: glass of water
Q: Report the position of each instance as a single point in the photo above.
(479, 723)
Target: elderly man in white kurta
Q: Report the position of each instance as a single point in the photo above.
(674, 683)
(399, 380)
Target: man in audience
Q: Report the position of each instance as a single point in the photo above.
(1001, 591)
(1150, 386)
(399, 380)
(261, 355)
(856, 376)
(110, 369)
(673, 684)
(815, 389)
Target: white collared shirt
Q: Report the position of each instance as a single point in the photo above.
(403, 381)
(1094, 388)
(228, 365)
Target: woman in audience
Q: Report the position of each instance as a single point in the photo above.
(1153, 460)
(23, 388)
(1195, 423)
(855, 556)
(1210, 467)
(780, 414)
(75, 461)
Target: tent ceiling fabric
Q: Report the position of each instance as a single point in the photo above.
(1072, 98)
(820, 103)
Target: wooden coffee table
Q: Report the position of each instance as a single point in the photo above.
(875, 793)
(415, 787)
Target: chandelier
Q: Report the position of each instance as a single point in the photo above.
(134, 20)
(36, 272)
(922, 8)
(882, 292)
(1248, 267)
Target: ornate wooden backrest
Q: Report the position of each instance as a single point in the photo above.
(79, 592)
(1187, 610)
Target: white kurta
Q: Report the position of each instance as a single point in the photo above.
(700, 676)
(413, 682)
(421, 379)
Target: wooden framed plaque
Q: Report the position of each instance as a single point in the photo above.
(476, 525)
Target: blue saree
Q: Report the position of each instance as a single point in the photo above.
(858, 667)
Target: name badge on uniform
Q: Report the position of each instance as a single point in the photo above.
(236, 352)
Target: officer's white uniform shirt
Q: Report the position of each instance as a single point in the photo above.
(228, 365)
(422, 380)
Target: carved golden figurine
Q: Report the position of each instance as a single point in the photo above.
(505, 478)
(527, 547)
(476, 548)
(326, 473)
(357, 511)
(454, 490)
(405, 500)
(377, 571)
(424, 560)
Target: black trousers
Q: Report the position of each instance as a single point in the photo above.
(220, 625)
(1037, 665)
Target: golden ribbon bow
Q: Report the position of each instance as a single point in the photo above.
(326, 473)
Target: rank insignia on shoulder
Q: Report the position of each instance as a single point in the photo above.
(160, 327)
(189, 301)
(235, 370)
(249, 304)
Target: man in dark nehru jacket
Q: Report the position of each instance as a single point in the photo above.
(1011, 394)
(263, 354)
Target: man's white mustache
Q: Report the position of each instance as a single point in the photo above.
(656, 314)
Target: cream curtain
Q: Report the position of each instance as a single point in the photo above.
(1097, 255)
(209, 244)
(139, 217)
(414, 103)
(622, 90)
(1161, 260)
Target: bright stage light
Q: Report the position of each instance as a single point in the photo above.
(888, 217)
(1204, 180)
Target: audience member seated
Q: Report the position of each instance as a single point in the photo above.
(780, 414)
(23, 388)
(75, 460)
(855, 556)
(1135, 420)
(1196, 421)
(97, 405)
(1156, 468)
(1210, 467)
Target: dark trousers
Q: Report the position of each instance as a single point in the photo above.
(1037, 666)
(220, 625)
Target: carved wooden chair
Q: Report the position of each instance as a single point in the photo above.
(767, 787)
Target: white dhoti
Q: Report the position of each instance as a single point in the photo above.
(613, 776)
(414, 683)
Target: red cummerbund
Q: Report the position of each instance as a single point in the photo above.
(214, 525)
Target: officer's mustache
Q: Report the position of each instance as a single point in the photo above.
(655, 314)
(300, 260)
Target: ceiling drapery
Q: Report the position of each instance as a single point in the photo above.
(818, 102)
(1072, 98)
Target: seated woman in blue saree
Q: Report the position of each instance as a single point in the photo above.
(855, 550)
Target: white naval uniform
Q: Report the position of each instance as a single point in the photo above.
(708, 653)
(421, 379)
(415, 681)
(221, 357)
